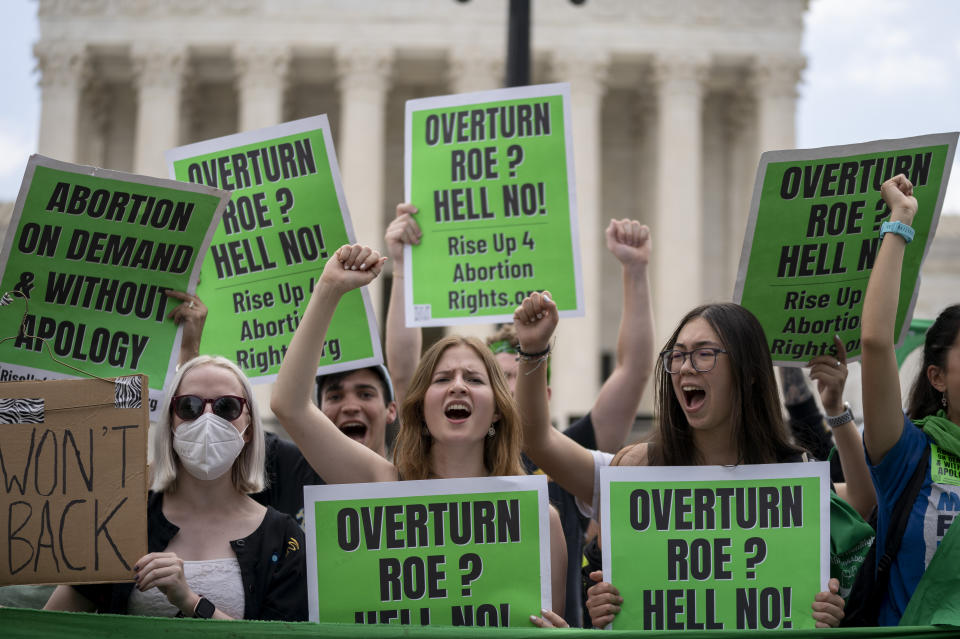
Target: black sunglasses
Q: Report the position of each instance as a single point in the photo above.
(189, 407)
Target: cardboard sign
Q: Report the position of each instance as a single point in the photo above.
(492, 176)
(91, 253)
(457, 552)
(73, 460)
(716, 548)
(814, 231)
(286, 216)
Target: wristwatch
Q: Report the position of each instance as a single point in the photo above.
(204, 608)
(841, 419)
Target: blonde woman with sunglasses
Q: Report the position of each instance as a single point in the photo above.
(213, 551)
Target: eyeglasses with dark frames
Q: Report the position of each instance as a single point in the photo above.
(189, 407)
(702, 359)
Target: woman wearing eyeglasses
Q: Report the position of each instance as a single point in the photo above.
(716, 404)
(213, 551)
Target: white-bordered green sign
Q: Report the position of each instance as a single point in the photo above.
(456, 552)
(491, 174)
(94, 252)
(813, 234)
(286, 216)
(716, 548)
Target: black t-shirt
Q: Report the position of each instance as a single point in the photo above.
(572, 520)
(287, 473)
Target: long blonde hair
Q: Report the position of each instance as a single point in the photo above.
(248, 472)
(501, 453)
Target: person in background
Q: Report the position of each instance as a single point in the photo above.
(360, 402)
(928, 434)
(716, 404)
(606, 425)
(817, 432)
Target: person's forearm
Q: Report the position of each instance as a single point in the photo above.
(882, 404)
(635, 336)
(860, 491)
(295, 381)
(616, 405)
(533, 404)
(883, 295)
(403, 344)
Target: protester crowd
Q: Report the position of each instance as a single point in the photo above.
(226, 504)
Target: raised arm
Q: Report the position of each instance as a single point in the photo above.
(564, 460)
(333, 455)
(191, 314)
(830, 373)
(615, 408)
(882, 403)
(403, 343)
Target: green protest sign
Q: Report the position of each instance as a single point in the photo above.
(86, 260)
(286, 216)
(457, 552)
(716, 548)
(492, 176)
(813, 233)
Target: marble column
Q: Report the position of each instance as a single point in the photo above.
(740, 123)
(261, 82)
(578, 339)
(677, 258)
(364, 78)
(64, 72)
(472, 69)
(774, 83)
(159, 74)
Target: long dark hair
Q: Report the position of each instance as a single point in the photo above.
(924, 398)
(759, 432)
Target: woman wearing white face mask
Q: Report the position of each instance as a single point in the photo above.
(214, 551)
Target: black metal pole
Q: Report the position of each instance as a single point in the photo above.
(518, 44)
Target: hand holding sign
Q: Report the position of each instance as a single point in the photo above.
(352, 266)
(401, 231)
(828, 606)
(534, 321)
(603, 601)
(191, 314)
(550, 619)
(830, 374)
(898, 194)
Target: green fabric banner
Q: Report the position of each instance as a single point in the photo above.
(286, 216)
(457, 552)
(36, 624)
(716, 548)
(492, 176)
(88, 255)
(813, 233)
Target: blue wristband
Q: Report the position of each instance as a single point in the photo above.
(898, 228)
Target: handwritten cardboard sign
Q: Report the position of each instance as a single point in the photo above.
(73, 497)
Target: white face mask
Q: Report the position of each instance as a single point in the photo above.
(207, 446)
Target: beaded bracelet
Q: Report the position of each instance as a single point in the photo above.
(539, 358)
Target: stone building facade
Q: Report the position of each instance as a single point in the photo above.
(672, 104)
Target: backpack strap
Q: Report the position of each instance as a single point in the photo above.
(873, 578)
(901, 514)
(898, 524)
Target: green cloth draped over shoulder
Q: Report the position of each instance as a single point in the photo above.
(850, 540)
(941, 430)
(936, 600)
